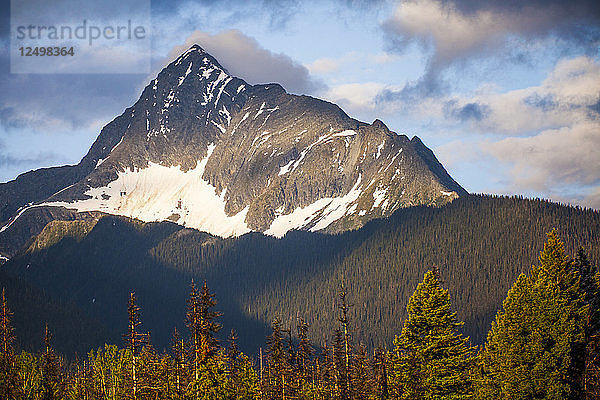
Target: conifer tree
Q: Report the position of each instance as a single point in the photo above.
(590, 285)
(134, 340)
(178, 348)
(233, 352)
(209, 363)
(380, 374)
(276, 364)
(534, 349)
(52, 386)
(303, 357)
(340, 373)
(343, 318)
(291, 363)
(431, 358)
(325, 378)
(8, 370)
(242, 382)
(201, 321)
(360, 377)
(6, 329)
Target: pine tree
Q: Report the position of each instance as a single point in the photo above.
(6, 329)
(340, 373)
(534, 349)
(360, 378)
(590, 285)
(344, 308)
(179, 366)
(380, 374)
(291, 370)
(431, 358)
(52, 385)
(242, 382)
(325, 379)
(134, 340)
(275, 384)
(8, 369)
(209, 363)
(233, 352)
(303, 359)
(202, 325)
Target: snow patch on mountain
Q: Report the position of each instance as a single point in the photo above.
(379, 197)
(159, 193)
(321, 213)
(16, 217)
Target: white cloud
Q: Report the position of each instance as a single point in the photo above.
(543, 140)
(355, 97)
(566, 97)
(327, 65)
(553, 158)
(592, 199)
(383, 58)
(323, 66)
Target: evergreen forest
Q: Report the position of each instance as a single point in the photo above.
(544, 343)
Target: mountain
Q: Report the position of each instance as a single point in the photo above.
(207, 150)
(77, 275)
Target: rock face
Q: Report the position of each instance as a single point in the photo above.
(209, 151)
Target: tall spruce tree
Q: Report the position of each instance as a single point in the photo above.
(52, 385)
(277, 366)
(535, 347)
(201, 321)
(134, 340)
(380, 374)
(209, 366)
(8, 370)
(179, 365)
(431, 359)
(344, 308)
(590, 284)
(303, 359)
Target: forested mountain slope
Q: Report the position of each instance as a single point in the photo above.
(479, 243)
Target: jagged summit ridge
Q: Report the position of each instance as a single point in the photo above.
(207, 150)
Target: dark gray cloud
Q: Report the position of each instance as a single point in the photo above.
(50, 102)
(43, 158)
(413, 93)
(545, 103)
(63, 102)
(9, 160)
(564, 9)
(456, 32)
(442, 24)
(471, 111)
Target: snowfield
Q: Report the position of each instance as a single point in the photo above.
(158, 193)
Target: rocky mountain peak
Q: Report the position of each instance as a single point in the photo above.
(379, 124)
(207, 150)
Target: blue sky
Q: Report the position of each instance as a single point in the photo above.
(507, 94)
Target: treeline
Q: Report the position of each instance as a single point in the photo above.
(544, 344)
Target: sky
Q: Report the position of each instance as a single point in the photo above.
(506, 93)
